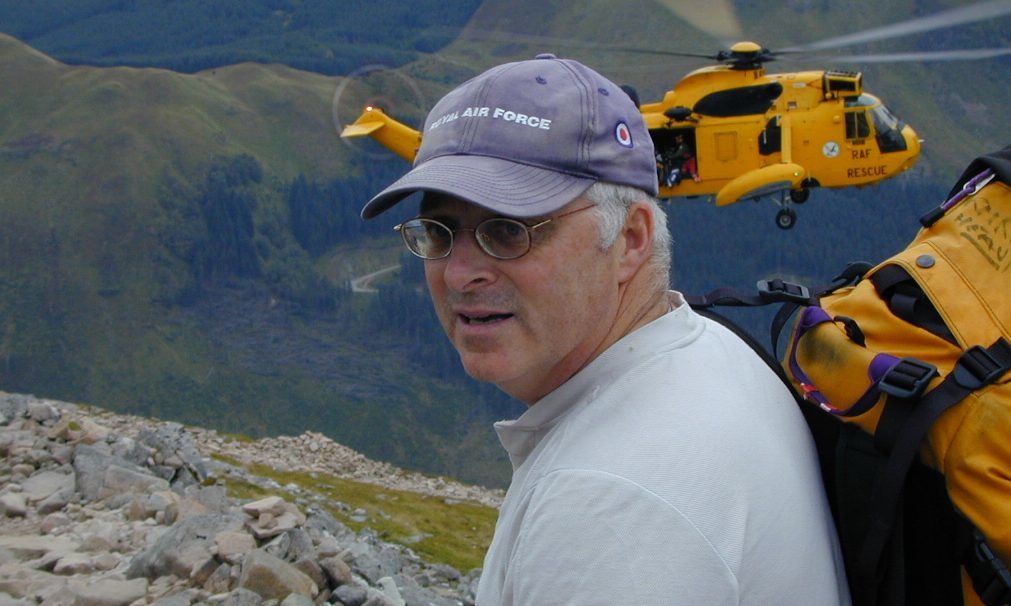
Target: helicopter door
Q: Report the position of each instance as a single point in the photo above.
(675, 155)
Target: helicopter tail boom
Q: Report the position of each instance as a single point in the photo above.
(396, 136)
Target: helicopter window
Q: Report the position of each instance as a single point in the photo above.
(860, 101)
(884, 119)
(740, 101)
(771, 139)
(889, 128)
(857, 126)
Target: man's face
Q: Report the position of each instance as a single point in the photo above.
(526, 324)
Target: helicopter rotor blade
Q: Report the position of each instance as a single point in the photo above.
(949, 18)
(714, 17)
(550, 43)
(926, 56)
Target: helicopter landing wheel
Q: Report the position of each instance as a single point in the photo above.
(800, 196)
(786, 218)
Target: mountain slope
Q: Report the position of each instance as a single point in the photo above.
(107, 177)
(155, 258)
(190, 36)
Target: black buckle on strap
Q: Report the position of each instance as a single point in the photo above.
(778, 290)
(977, 367)
(996, 590)
(908, 379)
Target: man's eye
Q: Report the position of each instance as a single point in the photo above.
(505, 231)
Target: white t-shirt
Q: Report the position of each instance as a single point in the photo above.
(674, 469)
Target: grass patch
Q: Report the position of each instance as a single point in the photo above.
(230, 437)
(438, 530)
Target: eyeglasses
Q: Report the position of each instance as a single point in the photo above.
(500, 237)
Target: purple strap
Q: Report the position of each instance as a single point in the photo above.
(880, 366)
(809, 318)
(971, 186)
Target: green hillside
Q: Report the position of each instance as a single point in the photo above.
(190, 35)
(148, 263)
(179, 242)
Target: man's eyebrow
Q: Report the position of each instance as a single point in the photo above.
(436, 212)
(431, 202)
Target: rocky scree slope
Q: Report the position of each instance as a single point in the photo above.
(99, 509)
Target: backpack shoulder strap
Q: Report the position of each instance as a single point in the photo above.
(824, 429)
(999, 162)
(980, 172)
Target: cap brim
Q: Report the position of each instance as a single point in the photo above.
(502, 186)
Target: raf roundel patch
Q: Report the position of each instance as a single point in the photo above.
(623, 135)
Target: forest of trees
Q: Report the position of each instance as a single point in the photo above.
(324, 215)
(189, 35)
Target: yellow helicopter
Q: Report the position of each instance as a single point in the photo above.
(732, 131)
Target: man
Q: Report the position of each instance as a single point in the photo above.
(659, 461)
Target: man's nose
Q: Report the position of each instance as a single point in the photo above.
(468, 266)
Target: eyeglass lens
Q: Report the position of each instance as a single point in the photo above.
(500, 237)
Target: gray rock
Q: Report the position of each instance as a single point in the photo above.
(183, 598)
(313, 570)
(5, 598)
(109, 492)
(146, 506)
(108, 592)
(43, 484)
(14, 505)
(185, 545)
(374, 560)
(232, 546)
(321, 523)
(300, 545)
(35, 587)
(41, 411)
(12, 405)
(220, 580)
(297, 599)
(242, 597)
(413, 593)
(389, 588)
(54, 521)
(351, 595)
(56, 501)
(172, 441)
(274, 578)
(337, 571)
(122, 481)
(34, 547)
(214, 498)
(278, 546)
(378, 598)
(90, 464)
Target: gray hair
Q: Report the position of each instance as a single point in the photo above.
(612, 205)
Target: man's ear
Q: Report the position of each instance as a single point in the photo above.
(637, 238)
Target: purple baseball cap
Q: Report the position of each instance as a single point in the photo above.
(524, 139)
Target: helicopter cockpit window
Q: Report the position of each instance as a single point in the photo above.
(889, 130)
(860, 101)
(857, 126)
(742, 101)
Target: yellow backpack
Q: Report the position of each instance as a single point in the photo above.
(917, 355)
(914, 355)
